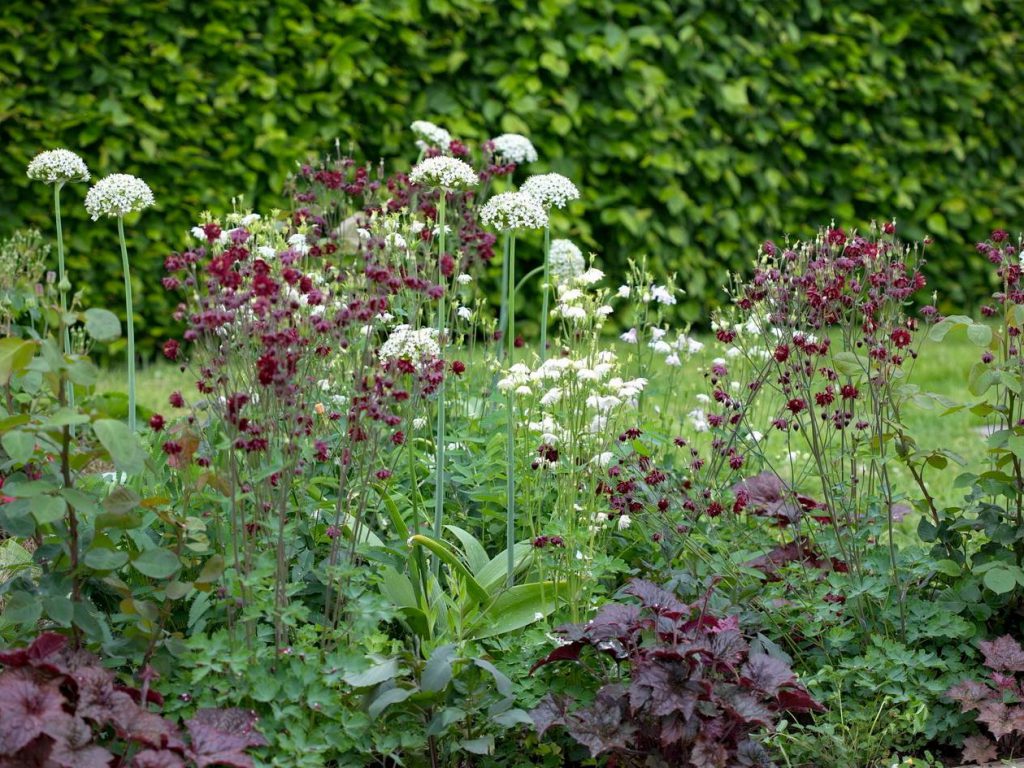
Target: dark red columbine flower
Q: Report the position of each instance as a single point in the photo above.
(212, 232)
(987, 357)
(900, 337)
(172, 448)
(519, 342)
(796, 404)
(889, 228)
(999, 235)
(176, 400)
(171, 349)
(849, 392)
(458, 367)
(156, 422)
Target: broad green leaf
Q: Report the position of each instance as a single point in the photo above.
(979, 334)
(157, 563)
(124, 447)
(375, 675)
(437, 672)
(15, 355)
(104, 559)
(472, 550)
(19, 445)
(1000, 580)
(102, 324)
(22, 608)
(60, 609)
(48, 509)
(386, 699)
(517, 607)
(212, 570)
(445, 553)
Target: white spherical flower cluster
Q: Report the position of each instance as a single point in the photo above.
(514, 148)
(551, 190)
(513, 210)
(57, 166)
(565, 261)
(117, 195)
(416, 346)
(430, 135)
(443, 171)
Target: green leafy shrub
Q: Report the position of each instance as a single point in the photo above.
(699, 126)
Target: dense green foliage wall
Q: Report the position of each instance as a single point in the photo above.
(695, 128)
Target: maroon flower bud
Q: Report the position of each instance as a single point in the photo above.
(156, 422)
(171, 349)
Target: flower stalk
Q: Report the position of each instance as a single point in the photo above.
(129, 310)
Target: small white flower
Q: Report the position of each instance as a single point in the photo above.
(569, 312)
(605, 311)
(551, 397)
(249, 219)
(395, 240)
(537, 616)
(197, 233)
(661, 347)
(117, 195)
(673, 360)
(573, 294)
(514, 148)
(604, 459)
(513, 210)
(416, 346)
(629, 336)
(733, 352)
(430, 135)
(464, 279)
(419, 423)
(363, 232)
(267, 252)
(703, 398)
(443, 171)
(416, 227)
(298, 243)
(565, 261)
(524, 390)
(591, 276)
(698, 420)
(623, 292)
(57, 166)
(465, 313)
(624, 522)
(662, 295)
(551, 190)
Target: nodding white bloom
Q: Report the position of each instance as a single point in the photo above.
(662, 295)
(298, 243)
(591, 276)
(629, 336)
(661, 347)
(624, 522)
(703, 398)
(416, 227)
(395, 240)
(673, 360)
(416, 346)
(552, 190)
(573, 294)
(514, 148)
(623, 292)
(464, 279)
(732, 352)
(443, 171)
(198, 233)
(551, 397)
(605, 311)
(249, 219)
(465, 313)
(419, 422)
(513, 210)
(57, 166)
(657, 334)
(117, 195)
(267, 251)
(689, 345)
(565, 261)
(363, 232)
(571, 312)
(604, 459)
(698, 420)
(430, 135)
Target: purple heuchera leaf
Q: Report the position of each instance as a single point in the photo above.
(164, 758)
(767, 674)
(550, 711)
(657, 599)
(75, 748)
(221, 737)
(969, 694)
(27, 708)
(1003, 654)
(978, 749)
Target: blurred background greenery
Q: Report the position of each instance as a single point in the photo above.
(695, 129)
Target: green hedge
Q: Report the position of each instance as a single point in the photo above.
(696, 129)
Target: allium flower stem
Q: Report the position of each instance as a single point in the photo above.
(510, 424)
(503, 312)
(129, 309)
(62, 287)
(440, 431)
(544, 298)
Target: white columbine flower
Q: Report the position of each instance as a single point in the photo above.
(298, 243)
(267, 251)
(416, 346)
(430, 135)
(591, 276)
(513, 210)
(464, 279)
(465, 313)
(117, 195)
(514, 148)
(624, 522)
(662, 295)
(551, 190)
(444, 171)
(419, 423)
(629, 336)
(699, 421)
(198, 233)
(57, 166)
(565, 261)
(623, 292)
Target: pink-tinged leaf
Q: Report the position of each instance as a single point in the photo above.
(602, 727)
(164, 758)
(979, 749)
(657, 599)
(76, 750)
(550, 711)
(767, 674)
(998, 717)
(969, 694)
(26, 708)
(1003, 654)
(568, 652)
(221, 737)
(797, 700)
(150, 729)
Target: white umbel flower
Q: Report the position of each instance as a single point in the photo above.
(416, 346)
(514, 148)
(443, 171)
(551, 190)
(430, 135)
(513, 210)
(565, 261)
(57, 166)
(117, 195)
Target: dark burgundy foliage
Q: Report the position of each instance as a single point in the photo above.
(999, 702)
(59, 708)
(695, 694)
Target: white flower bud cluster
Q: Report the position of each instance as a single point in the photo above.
(514, 148)
(417, 346)
(430, 135)
(445, 172)
(552, 190)
(57, 166)
(118, 195)
(512, 211)
(565, 261)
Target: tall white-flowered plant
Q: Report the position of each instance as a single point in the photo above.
(551, 190)
(416, 346)
(116, 196)
(514, 148)
(510, 212)
(566, 262)
(446, 174)
(430, 135)
(59, 167)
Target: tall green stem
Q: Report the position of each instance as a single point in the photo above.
(510, 422)
(62, 287)
(129, 309)
(440, 431)
(544, 298)
(505, 282)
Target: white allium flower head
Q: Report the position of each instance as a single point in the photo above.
(417, 346)
(551, 190)
(565, 261)
(430, 135)
(513, 210)
(514, 148)
(57, 166)
(444, 171)
(117, 195)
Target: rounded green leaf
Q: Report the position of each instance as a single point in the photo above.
(157, 563)
(102, 324)
(103, 559)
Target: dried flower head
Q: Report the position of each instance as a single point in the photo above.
(514, 210)
(430, 135)
(514, 148)
(551, 190)
(57, 166)
(443, 171)
(117, 195)
(565, 262)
